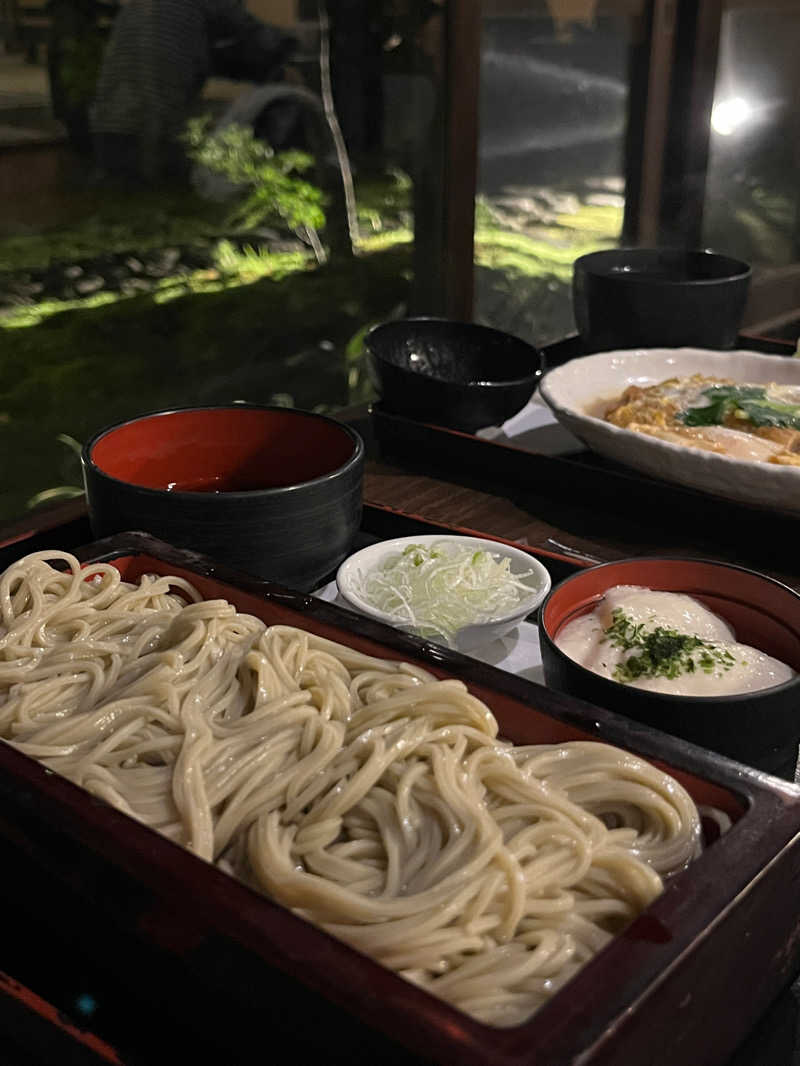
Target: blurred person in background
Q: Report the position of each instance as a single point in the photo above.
(159, 56)
(76, 41)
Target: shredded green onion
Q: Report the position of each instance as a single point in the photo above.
(435, 591)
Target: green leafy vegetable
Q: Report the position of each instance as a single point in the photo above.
(748, 402)
(662, 652)
(770, 413)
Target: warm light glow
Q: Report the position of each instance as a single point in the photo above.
(728, 115)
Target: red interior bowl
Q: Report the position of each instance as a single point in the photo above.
(223, 449)
(273, 491)
(759, 728)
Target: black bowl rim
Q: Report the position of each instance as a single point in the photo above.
(742, 272)
(666, 698)
(221, 497)
(505, 383)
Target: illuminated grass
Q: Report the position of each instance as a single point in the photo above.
(265, 326)
(119, 222)
(518, 253)
(232, 269)
(199, 340)
(603, 220)
(390, 238)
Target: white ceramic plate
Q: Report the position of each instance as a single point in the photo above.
(579, 392)
(469, 637)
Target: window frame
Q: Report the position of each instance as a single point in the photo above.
(674, 62)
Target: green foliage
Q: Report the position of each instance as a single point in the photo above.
(33, 314)
(54, 495)
(485, 214)
(69, 442)
(593, 220)
(115, 220)
(70, 469)
(384, 201)
(531, 256)
(359, 383)
(247, 263)
(273, 190)
(84, 368)
(388, 238)
(233, 267)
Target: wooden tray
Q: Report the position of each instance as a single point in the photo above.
(591, 495)
(377, 523)
(179, 939)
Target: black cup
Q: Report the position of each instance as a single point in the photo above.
(456, 374)
(658, 298)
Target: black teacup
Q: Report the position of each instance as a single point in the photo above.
(659, 298)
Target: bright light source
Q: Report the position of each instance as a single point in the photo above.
(728, 115)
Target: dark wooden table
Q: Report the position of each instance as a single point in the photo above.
(576, 528)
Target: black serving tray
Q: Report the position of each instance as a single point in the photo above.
(571, 346)
(185, 964)
(377, 523)
(588, 493)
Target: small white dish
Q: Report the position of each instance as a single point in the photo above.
(518, 651)
(468, 638)
(579, 392)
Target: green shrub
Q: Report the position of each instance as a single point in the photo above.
(273, 191)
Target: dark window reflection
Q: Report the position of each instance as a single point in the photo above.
(554, 107)
(752, 191)
(200, 201)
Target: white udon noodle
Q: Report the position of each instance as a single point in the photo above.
(371, 798)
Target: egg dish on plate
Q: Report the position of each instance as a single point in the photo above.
(756, 422)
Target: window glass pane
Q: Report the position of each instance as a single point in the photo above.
(554, 103)
(139, 270)
(754, 162)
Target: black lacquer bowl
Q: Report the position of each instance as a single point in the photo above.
(760, 728)
(273, 491)
(455, 374)
(659, 298)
